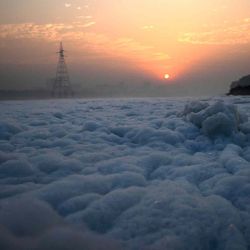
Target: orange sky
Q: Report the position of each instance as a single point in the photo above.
(155, 36)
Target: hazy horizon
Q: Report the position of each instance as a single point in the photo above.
(203, 46)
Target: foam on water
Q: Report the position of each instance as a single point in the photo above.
(125, 174)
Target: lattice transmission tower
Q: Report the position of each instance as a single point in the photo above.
(61, 84)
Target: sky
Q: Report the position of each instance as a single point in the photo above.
(201, 45)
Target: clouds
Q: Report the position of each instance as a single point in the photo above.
(148, 27)
(89, 24)
(227, 34)
(67, 5)
(79, 32)
(30, 30)
(153, 173)
(49, 32)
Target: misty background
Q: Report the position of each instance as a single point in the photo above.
(118, 48)
(111, 77)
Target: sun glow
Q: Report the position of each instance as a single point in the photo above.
(166, 76)
(140, 36)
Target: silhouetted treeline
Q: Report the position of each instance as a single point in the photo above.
(240, 87)
(240, 90)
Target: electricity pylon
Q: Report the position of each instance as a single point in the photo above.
(61, 84)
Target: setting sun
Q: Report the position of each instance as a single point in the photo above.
(166, 76)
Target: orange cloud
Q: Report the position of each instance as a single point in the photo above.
(148, 27)
(67, 5)
(76, 32)
(234, 34)
(50, 32)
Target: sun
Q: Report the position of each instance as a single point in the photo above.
(166, 76)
